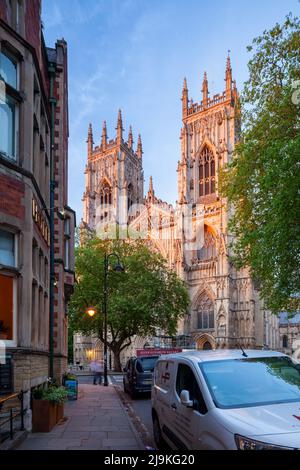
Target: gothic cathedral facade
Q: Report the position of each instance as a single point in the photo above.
(225, 308)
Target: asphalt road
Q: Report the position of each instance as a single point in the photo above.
(141, 405)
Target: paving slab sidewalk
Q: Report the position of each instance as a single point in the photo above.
(96, 421)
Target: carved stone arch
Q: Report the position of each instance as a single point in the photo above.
(206, 143)
(204, 341)
(105, 181)
(204, 289)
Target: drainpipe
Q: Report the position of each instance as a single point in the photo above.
(52, 100)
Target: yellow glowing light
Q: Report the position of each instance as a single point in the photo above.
(90, 354)
(90, 311)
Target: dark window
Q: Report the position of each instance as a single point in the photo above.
(284, 341)
(129, 196)
(186, 380)
(67, 243)
(146, 364)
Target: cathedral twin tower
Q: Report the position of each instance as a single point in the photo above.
(225, 309)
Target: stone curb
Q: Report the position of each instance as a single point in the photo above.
(140, 429)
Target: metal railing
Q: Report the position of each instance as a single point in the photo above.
(11, 415)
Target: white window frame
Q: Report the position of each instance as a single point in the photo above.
(6, 272)
(16, 241)
(14, 157)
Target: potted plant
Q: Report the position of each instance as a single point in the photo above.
(47, 407)
(3, 330)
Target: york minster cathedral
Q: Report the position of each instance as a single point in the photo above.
(225, 309)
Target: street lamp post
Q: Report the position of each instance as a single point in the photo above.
(91, 311)
(118, 268)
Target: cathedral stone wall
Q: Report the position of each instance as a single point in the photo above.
(225, 308)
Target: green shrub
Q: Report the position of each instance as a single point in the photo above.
(52, 393)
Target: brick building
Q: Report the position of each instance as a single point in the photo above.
(33, 146)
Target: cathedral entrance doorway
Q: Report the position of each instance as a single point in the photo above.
(205, 342)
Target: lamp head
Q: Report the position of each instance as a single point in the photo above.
(119, 268)
(91, 311)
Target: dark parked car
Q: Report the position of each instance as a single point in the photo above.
(138, 374)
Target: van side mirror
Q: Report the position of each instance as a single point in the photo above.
(185, 399)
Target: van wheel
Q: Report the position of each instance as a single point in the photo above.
(158, 439)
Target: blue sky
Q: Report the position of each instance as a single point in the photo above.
(134, 54)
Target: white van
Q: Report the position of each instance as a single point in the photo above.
(226, 399)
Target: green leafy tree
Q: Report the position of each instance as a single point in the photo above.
(146, 296)
(262, 181)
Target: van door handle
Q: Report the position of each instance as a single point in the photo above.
(174, 406)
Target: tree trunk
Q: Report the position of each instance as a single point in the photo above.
(117, 362)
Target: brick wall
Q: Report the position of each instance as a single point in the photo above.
(29, 370)
(32, 23)
(12, 191)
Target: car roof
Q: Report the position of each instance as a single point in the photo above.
(221, 354)
(144, 357)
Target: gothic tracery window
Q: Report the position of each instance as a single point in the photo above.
(105, 195)
(208, 250)
(206, 172)
(205, 313)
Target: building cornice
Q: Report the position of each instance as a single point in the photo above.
(32, 50)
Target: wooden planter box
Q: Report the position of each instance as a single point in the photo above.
(44, 415)
(59, 412)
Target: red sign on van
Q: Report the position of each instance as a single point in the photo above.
(157, 351)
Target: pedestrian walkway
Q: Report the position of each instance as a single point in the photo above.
(97, 420)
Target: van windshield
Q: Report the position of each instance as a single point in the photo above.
(252, 381)
(146, 364)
